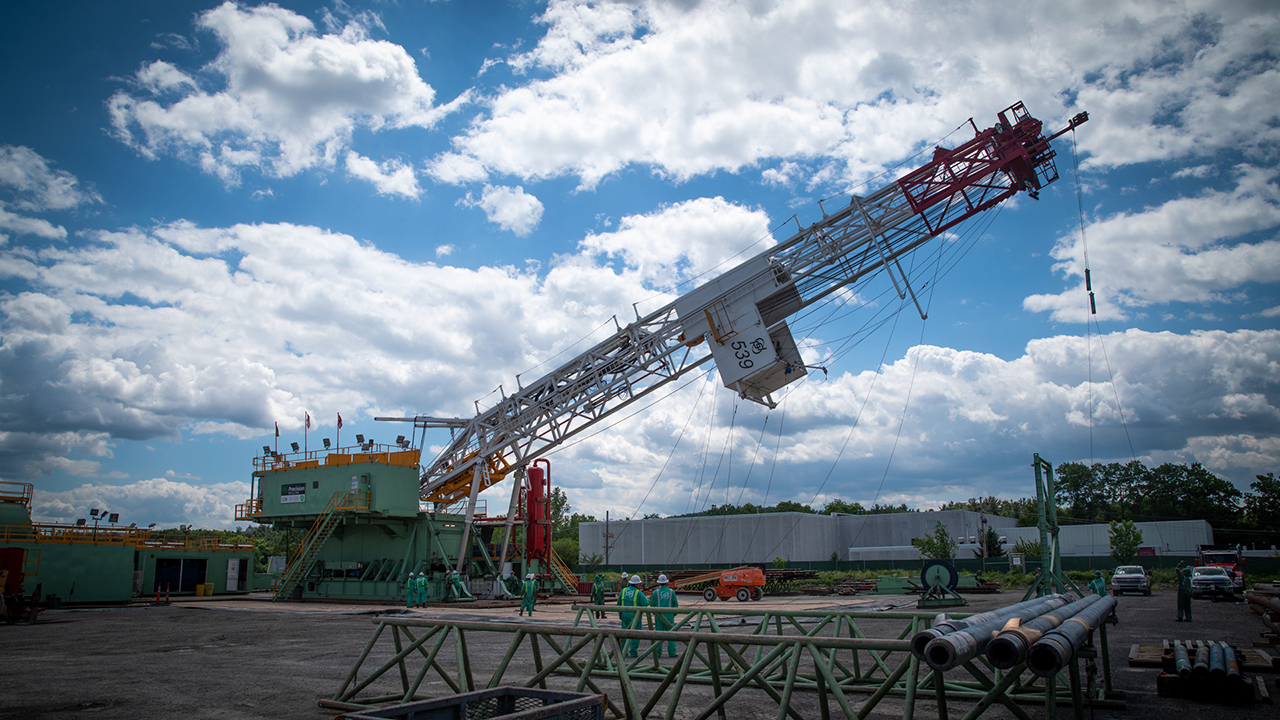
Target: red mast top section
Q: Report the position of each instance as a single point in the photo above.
(984, 171)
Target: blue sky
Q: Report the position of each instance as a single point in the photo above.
(216, 217)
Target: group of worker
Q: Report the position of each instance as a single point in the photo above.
(415, 589)
(633, 596)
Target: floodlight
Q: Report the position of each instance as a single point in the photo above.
(360, 439)
(80, 522)
(94, 512)
(294, 446)
(151, 526)
(399, 439)
(115, 517)
(326, 443)
(266, 449)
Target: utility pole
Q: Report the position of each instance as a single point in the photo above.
(608, 536)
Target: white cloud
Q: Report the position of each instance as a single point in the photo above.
(445, 250)
(290, 99)
(36, 186)
(158, 500)
(511, 208)
(392, 177)
(972, 423)
(23, 225)
(1188, 249)
(677, 242)
(689, 89)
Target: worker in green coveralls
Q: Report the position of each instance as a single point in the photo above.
(1097, 585)
(530, 594)
(455, 586)
(410, 590)
(597, 594)
(664, 596)
(1184, 591)
(632, 596)
(422, 589)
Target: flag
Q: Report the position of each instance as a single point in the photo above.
(308, 420)
(339, 421)
(277, 429)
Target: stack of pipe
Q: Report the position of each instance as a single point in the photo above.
(1010, 647)
(1058, 647)
(1268, 606)
(946, 627)
(961, 646)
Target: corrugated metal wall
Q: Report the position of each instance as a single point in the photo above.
(731, 539)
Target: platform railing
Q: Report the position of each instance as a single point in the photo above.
(16, 492)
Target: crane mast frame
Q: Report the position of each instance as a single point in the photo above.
(740, 315)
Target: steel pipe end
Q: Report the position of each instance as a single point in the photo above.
(1048, 656)
(940, 655)
(1006, 650)
(922, 639)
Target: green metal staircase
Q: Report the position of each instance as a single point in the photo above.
(310, 547)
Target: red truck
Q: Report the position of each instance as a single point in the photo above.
(1227, 557)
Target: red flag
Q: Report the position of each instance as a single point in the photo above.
(308, 420)
(339, 421)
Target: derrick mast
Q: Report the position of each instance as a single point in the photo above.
(738, 320)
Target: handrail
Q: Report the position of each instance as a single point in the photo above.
(16, 492)
(566, 576)
(306, 552)
(249, 509)
(354, 454)
(354, 500)
(86, 535)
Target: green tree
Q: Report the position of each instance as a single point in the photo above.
(1262, 506)
(992, 541)
(1027, 548)
(938, 546)
(1125, 539)
(840, 506)
(567, 549)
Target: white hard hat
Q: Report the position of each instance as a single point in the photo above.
(662, 580)
(529, 576)
(635, 579)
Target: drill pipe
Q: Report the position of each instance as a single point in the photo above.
(1200, 670)
(1182, 662)
(1268, 602)
(959, 647)
(1058, 647)
(1233, 667)
(946, 627)
(1217, 663)
(1010, 647)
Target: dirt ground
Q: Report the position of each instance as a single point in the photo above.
(249, 658)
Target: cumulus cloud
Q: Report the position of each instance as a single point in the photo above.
(36, 186)
(393, 177)
(139, 334)
(161, 500)
(511, 208)
(289, 98)
(971, 424)
(678, 242)
(688, 89)
(1190, 249)
(31, 185)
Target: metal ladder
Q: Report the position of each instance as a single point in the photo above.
(312, 542)
(565, 575)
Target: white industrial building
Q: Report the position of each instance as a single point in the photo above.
(805, 537)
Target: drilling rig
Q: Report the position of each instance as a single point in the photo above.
(738, 321)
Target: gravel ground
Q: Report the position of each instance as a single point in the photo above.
(250, 659)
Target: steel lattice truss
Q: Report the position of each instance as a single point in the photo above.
(868, 235)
